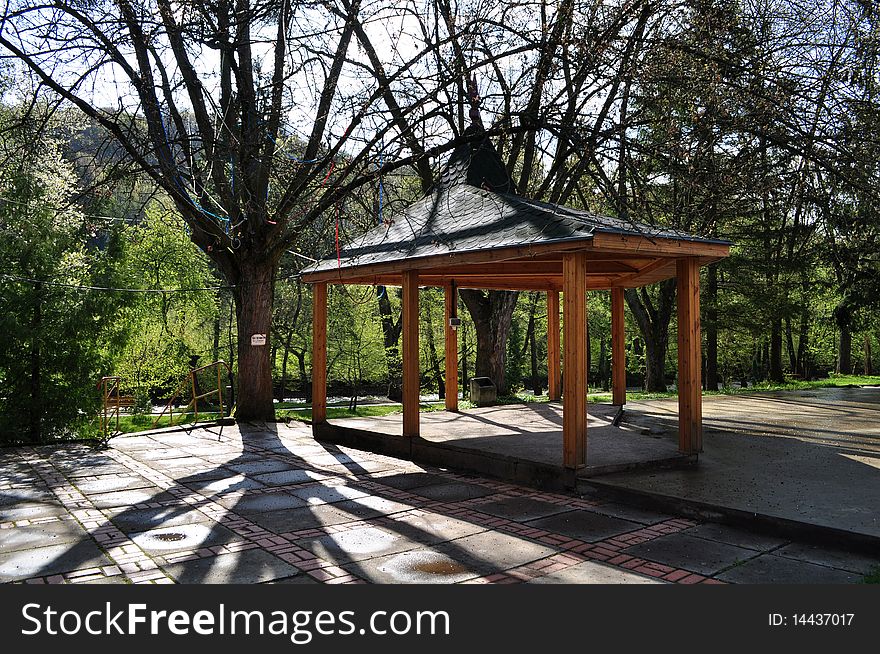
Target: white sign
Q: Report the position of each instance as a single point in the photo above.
(258, 339)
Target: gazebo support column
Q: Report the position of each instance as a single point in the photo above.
(411, 353)
(618, 348)
(319, 353)
(554, 376)
(450, 296)
(574, 410)
(690, 409)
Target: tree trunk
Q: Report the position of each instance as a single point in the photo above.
(653, 323)
(231, 361)
(843, 318)
(432, 351)
(803, 339)
(492, 313)
(391, 341)
(215, 348)
(711, 328)
(789, 346)
(536, 382)
(869, 363)
(465, 380)
(775, 373)
(35, 408)
(532, 344)
(284, 357)
(254, 295)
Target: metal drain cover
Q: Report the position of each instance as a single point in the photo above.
(182, 537)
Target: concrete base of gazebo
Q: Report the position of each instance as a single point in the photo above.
(521, 443)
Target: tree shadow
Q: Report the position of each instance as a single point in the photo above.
(175, 511)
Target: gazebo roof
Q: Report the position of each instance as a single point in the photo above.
(473, 227)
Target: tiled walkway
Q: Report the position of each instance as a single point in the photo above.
(272, 505)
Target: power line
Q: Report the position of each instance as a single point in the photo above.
(114, 289)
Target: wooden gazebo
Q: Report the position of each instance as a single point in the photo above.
(473, 231)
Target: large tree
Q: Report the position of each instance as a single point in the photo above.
(253, 117)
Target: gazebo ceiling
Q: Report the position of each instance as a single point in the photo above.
(473, 230)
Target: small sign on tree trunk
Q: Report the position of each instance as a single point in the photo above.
(258, 339)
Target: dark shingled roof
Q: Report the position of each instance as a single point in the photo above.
(473, 206)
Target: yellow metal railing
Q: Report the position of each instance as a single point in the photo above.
(192, 381)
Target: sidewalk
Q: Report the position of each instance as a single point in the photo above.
(270, 504)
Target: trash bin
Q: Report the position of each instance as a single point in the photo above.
(483, 392)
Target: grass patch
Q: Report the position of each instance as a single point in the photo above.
(363, 411)
(133, 423)
(873, 577)
(302, 412)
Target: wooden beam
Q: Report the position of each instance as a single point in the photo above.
(450, 295)
(554, 376)
(618, 347)
(670, 247)
(599, 245)
(574, 316)
(633, 278)
(690, 409)
(319, 353)
(410, 335)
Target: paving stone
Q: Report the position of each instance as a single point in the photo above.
(262, 502)
(632, 513)
(15, 496)
(40, 535)
(286, 477)
(371, 506)
(357, 544)
(135, 520)
(592, 572)
(126, 498)
(433, 527)
(492, 551)
(248, 566)
(31, 511)
(410, 480)
(258, 467)
(74, 472)
(521, 508)
(733, 536)
(584, 525)
(696, 554)
(50, 560)
(192, 536)
(832, 557)
(110, 483)
(321, 494)
(453, 491)
(772, 569)
(299, 579)
(420, 566)
(230, 484)
(202, 477)
(320, 515)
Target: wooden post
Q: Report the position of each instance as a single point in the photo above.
(574, 409)
(690, 409)
(410, 353)
(618, 348)
(554, 377)
(319, 353)
(451, 298)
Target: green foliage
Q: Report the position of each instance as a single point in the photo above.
(51, 330)
(164, 329)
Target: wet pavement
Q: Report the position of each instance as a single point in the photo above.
(269, 504)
